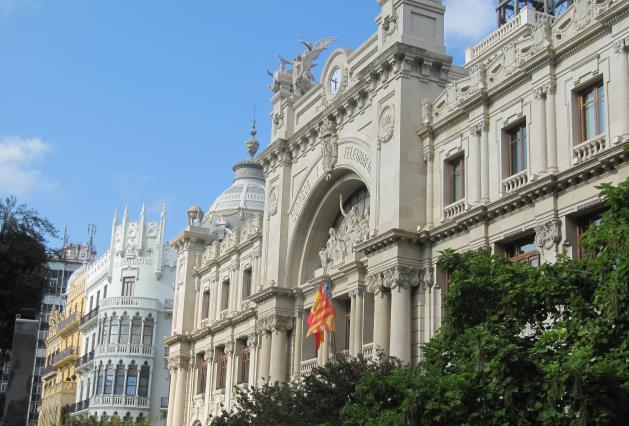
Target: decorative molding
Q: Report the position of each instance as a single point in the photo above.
(396, 276)
(329, 146)
(386, 124)
(548, 234)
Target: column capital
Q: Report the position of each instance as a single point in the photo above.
(479, 127)
(428, 154)
(545, 89)
(252, 340)
(396, 276)
(621, 45)
(275, 323)
(178, 363)
(229, 347)
(427, 279)
(356, 291)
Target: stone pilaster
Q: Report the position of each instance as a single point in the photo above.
(619, 93)
(279, 347)
(180, 364)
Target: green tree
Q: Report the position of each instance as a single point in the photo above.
(521, 345)
(23, 258)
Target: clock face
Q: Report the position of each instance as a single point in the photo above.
(336, 78)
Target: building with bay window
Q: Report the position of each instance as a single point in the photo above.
(393, 155)
(121, 368)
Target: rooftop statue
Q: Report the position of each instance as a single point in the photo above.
(300, 76)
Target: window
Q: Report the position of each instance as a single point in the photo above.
(113, 333)
(202, 373)
(136, 330)
(104, 337)
(246, 283)
(205, 307)
(147, 338)
(109, 379)
(132, 379)
(516, 139)
(222, 369)
(119, 382)
(456, 184)
(124, 329)
(91, 302)
(127, 286)
(583, 224)
(523, 250)
(98, 298)
(99, 380)
(245, 356)
(105, 292)
(143, 387)
(592, 111)
(225, 295)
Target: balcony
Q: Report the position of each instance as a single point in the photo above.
(113, 348)
(306, 366)
(453, 210)
(68, 321)
(515, 182)
(169, 304)
(137, 302)
(588, 149)
(120, 401)
(61, 388)
(87, 317)
(84, 359)
(368, 350)
(68, 355)
(163, 403)
(81, 405)
(47, 370)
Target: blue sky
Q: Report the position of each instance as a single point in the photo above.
(109, 102)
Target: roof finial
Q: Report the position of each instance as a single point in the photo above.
(252, 144)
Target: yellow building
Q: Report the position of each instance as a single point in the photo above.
(62, 352)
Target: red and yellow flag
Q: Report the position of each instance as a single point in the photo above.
(321, 317)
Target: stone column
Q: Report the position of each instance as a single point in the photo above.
(400, 343)
(484, 162)
(279, 348)
(620, 85)
(381, 311)
(357, 318)
(537, 140)
(208, 357)
(352, 325)
(473, 187)
(229, 379)
(299, 327)
(252, 342)
(180, 392)
(429, 156)
(265, 357)
(551, 128)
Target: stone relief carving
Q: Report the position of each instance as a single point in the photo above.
(389, 25)
(394, 277)
(426, 109)
(274, 322)
(329, 147)
(151, 229)
(548, 234)
(427, 276)
(195, 216)
(273, 199)
(251, 228)
(386, 124)
(278, 121)
(340, 243)
(252, 340)
(229, 347)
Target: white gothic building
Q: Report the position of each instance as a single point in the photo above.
(393, 155)
(127, 313)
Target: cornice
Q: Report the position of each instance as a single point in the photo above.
(176, 338)
(390, 238)
(223, 324)
(272, 292)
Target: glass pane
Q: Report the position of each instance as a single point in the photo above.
(131, 384)
(601, 111)
(590, 130)
(523, 143)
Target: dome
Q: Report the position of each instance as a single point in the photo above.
(243, 199)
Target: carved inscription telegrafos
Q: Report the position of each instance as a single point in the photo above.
(357, 155)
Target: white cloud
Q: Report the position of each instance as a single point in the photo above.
(18, 159)
(470, 19)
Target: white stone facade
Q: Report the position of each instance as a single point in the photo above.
(128, 312)
(394, 155)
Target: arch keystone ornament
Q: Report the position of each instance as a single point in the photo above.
(386, 124)
(329, 147)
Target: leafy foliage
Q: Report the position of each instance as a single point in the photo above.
(23, 258)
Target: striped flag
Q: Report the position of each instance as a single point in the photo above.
(322, 314)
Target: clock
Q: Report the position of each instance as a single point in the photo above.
(335, 81)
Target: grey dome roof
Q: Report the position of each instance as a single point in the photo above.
(242, 200)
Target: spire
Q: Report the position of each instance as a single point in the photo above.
(252, 144)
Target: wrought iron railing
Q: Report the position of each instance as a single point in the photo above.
(91, 314)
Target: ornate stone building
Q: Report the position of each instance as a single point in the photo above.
(392, 156)
(127, 313)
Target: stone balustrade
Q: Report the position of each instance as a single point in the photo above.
(452, 210)
(307, 365)
(120, 348)
(368, 350)
(137, 302)
(588, 149)
(515, 182)
(120, 401)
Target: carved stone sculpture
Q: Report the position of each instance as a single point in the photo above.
(302, 78)
(195, 216)
(329, 147)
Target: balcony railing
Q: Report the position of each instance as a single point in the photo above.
(454, 209)
(120, 401)
(70, 351)
(307, 365)
(84, 359)
(368, 350)
(588, 149)
(47, 370)
(169, 304)
(67, 321)
(163, 402)
(81, 405)
(114, 348)
(515, 182)
(139, 302)
(91, 314)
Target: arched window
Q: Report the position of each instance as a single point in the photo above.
(136, 329)
(100, 379)
(104, 335)
(127, 417)
(119, 382)
(359, 200)
(143, 386)
(125, 324)
(113, 331)
(109, 379)
(132, 379)
(147, 338)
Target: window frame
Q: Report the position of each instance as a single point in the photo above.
(128, 284)
(452, 164)
(521, 145)
(221, 376)
(245, 363)
(582, 105)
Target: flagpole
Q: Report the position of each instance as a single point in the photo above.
(328, 289)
